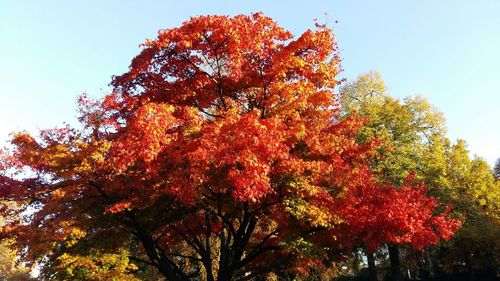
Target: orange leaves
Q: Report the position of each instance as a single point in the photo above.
(150, 128)
(218, 63)
(119, 207)
(223, 134)
(245, 146)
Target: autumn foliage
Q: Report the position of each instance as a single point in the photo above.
(221, 154)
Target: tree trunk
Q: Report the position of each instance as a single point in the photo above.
(430, 264)
(372, 269)
(423, 266)
(356, 262)
(470, 269)
(396, 273)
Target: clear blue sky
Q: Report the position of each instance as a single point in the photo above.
(447, 51)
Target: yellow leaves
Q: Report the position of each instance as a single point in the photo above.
(306, 204)
(98, 153)
(297, 62)
(71, 234)
(73, 238)
(192, 130)
(305, 211)
(92, 155)
(302, 189)
(64, 159)
(55, 155)
(10, 268)
(96, 265)
(318, 217)
(470, 183)
(482, 202)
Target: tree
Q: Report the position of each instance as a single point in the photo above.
(412, 136)
(405, 130)
(219, 154)
(469, 185)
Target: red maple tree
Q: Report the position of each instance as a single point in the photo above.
(220, 152)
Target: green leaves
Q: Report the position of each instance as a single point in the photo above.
(404, 128)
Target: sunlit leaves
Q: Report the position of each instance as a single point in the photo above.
(221, 152)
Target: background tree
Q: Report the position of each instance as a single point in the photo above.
(470, 186)
(412, 136)
(404, 128)
(496, 169)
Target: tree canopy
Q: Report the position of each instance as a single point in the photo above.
(221, 154)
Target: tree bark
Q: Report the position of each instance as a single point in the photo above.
(423, 267)
(372, 269)
(430, 264)
(356, 262)
(470, 269)
(396, 273)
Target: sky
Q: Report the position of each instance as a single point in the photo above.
(447, 51)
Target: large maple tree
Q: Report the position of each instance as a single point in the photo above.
(221, 154)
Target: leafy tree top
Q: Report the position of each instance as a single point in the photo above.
(220, 153)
